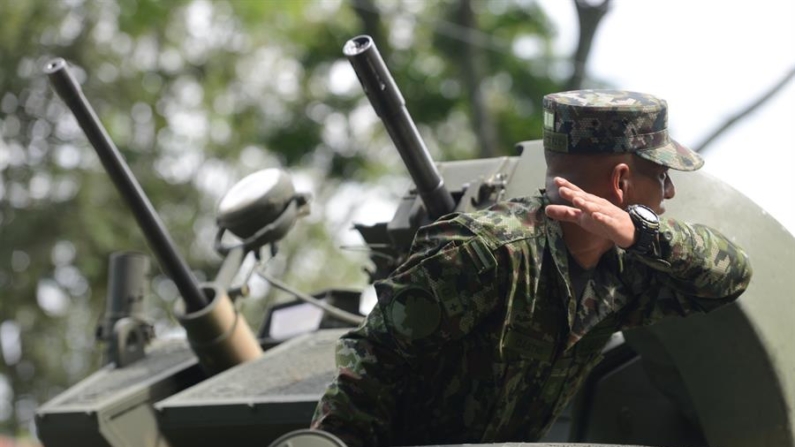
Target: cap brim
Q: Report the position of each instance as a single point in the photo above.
(674, 156)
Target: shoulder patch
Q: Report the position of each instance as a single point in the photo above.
(480, 255)
(414, 313)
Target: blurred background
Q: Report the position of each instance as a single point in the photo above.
(197, 94)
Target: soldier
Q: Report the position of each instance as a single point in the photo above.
(490, 326)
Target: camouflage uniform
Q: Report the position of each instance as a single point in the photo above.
(480, 337)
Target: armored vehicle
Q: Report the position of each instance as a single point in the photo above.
(722, 379)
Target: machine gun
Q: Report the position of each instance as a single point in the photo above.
(473, 184)
(259, 210)
(711, 368)
(218, 335)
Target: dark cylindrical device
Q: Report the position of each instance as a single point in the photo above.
(124, 328)
(127, 286)
(159, 240)
(390, 106)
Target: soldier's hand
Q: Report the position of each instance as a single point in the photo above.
(593, 213)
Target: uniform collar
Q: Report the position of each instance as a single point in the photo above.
(559, 252)
(579, 319)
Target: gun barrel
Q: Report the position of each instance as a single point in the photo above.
(390, 106)
(156, 234)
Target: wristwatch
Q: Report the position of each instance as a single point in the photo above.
(647, 227)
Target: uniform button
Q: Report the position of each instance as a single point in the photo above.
(668, 236)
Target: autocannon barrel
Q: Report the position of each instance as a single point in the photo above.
(159, 240)
(390, 106)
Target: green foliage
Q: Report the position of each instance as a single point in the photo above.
(197, 94)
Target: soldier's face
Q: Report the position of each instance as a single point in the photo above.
(651, 185)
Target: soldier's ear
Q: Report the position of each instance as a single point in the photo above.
(620, 184)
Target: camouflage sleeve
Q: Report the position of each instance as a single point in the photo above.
(359, 404)
(439, 294)
(695, 269)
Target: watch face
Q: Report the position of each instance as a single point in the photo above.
(646, 214)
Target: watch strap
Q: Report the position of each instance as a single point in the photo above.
(646, 231)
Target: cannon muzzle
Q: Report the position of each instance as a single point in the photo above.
(390, 106)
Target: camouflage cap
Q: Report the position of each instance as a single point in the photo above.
(611, 121)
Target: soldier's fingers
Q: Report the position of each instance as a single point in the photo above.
(570, 194)
(583, 203)
(562, 212)
(566, 193)
(560, 181)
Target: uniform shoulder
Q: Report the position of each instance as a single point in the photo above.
(507, 221)
(497, 225)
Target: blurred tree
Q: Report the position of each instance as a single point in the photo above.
(589, 16)
(197, 94)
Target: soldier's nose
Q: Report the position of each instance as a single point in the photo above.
(670, 189)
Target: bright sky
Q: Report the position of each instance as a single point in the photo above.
(709, 59)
